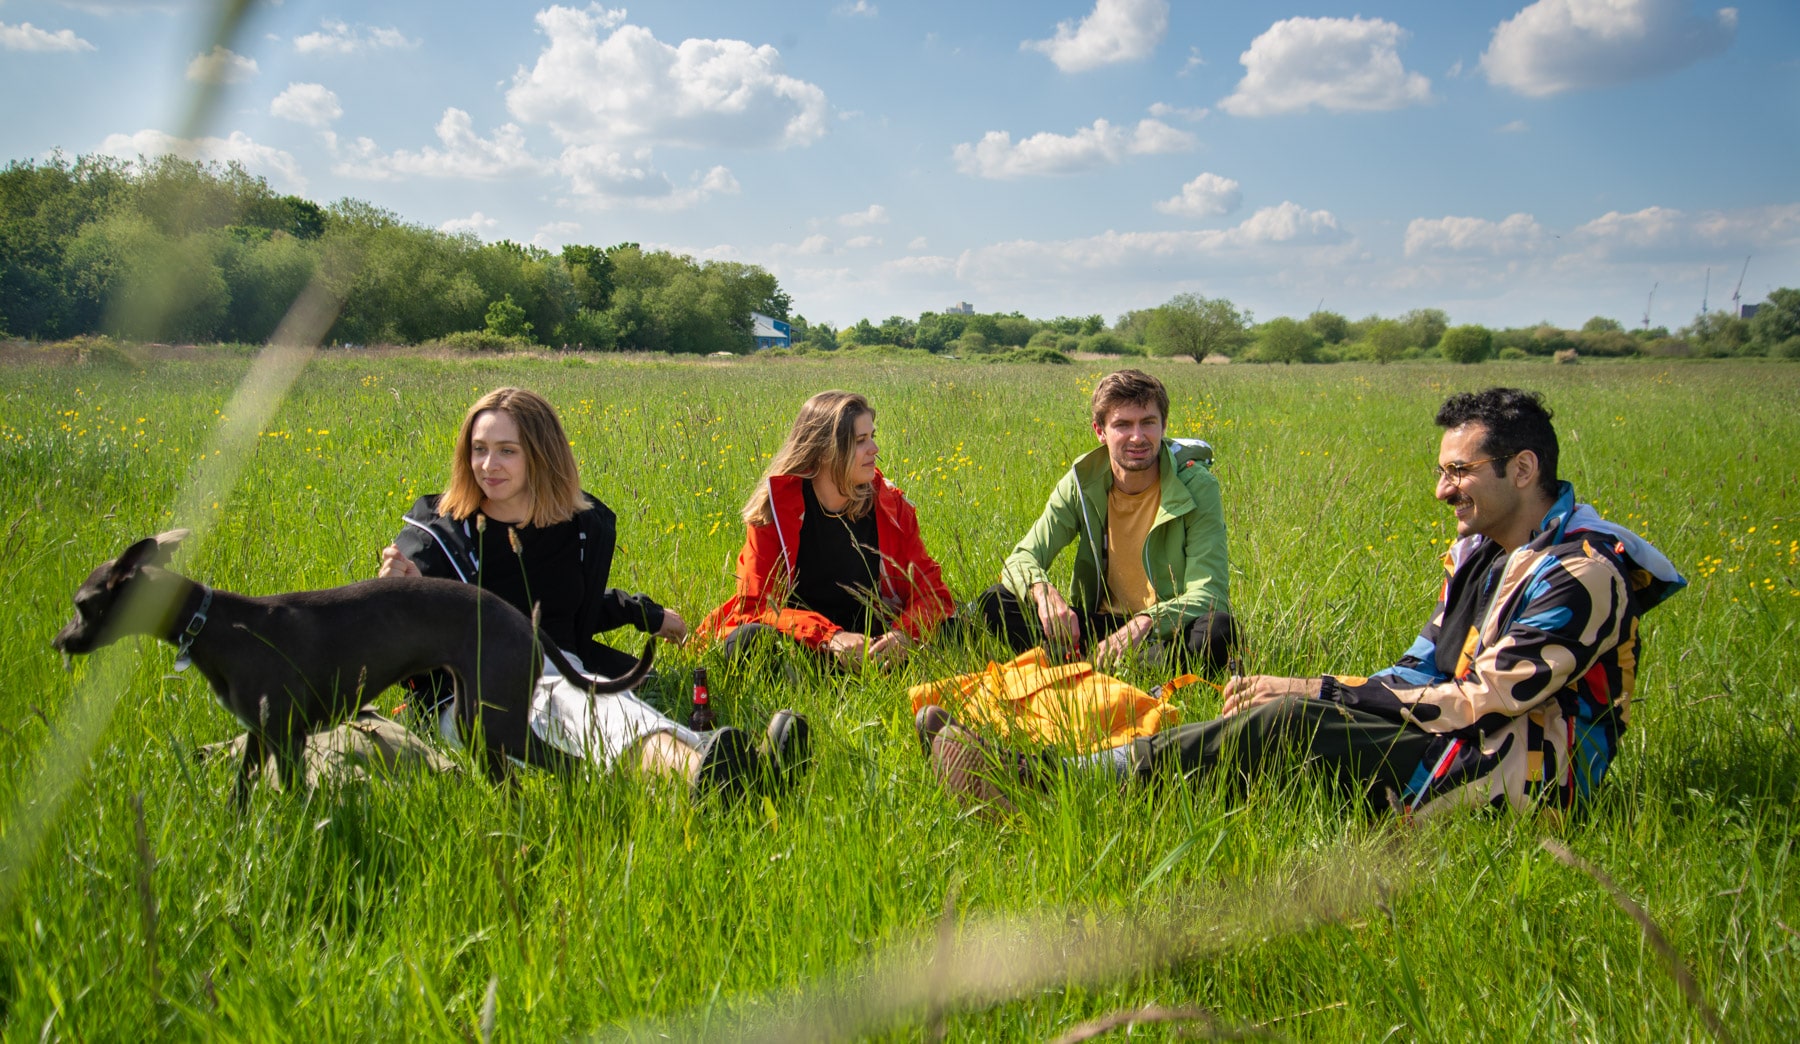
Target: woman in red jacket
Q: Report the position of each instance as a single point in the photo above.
(832, 559)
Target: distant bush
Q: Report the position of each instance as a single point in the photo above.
(1788, 349)
(479, 341)
(1466, 344)
(101, 350)
(1613, 343)
(588, 330)
(1509, 353)
(1028, 355)
(1568, 357)
(1108, 343)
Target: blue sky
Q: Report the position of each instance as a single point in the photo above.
(1505, 161)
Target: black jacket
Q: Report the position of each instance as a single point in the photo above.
(445, 547)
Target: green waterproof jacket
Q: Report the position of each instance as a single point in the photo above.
(1184, 553)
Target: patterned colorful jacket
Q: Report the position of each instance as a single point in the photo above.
(1525, 670)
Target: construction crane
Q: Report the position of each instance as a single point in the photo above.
(1706, 293)
(1736, 307)
(1647, 302)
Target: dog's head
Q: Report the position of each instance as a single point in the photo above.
(103, 612)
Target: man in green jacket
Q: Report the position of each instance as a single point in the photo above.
(1144, 514)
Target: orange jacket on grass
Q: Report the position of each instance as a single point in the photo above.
(911, 586)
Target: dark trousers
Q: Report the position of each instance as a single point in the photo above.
(1206, 641)
(1361, 750)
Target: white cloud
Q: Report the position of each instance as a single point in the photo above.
(918, 243)
(221, 66)
(601, 177)
(1560, 45)
(554, 235)
(1338, 64)
(1664, 232)
(476, 223)
(860, 7)
(1513, 127)
(28, 37)
(266, 160)
(1271, 231)
(1114, 31)
(464, 155)
(630, 89)
(1162, 109)
(1103, 144)
(1205, 196)
(861, 242)
(1194, 61)
(341, 38)
(1514, 235)
(313, 104)
(875, 215)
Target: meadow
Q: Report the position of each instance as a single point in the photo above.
(134, 901)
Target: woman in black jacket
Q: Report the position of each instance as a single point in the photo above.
(516, 522)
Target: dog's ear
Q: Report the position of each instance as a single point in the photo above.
(129, 561)
(156, 550)
(166, 546)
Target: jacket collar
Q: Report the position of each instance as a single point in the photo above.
(1093, 473)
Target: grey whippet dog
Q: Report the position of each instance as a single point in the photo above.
(289, 664)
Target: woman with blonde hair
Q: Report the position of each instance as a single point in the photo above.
(832, 556)
(516, 522)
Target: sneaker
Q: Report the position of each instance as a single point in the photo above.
(728, 762)
(978, 773)
(786, 749)
(930, 721)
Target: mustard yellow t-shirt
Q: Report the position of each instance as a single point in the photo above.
(1128, 519)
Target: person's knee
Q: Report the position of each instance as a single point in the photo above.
(1213, 638)
(745, 639)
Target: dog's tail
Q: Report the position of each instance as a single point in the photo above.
(594, 685)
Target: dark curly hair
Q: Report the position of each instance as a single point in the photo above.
(1515, 420)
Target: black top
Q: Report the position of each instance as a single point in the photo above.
(839, 566)
(565, 570)
(544, 572)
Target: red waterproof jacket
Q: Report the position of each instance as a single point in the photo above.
(911, 585)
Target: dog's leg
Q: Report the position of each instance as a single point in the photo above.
(254, 754)
(290, 760)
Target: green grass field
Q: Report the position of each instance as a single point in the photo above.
(864, 903)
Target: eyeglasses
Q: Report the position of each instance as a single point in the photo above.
(1455, 473)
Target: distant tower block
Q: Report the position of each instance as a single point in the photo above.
(960, 308)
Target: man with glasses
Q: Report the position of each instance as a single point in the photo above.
(1516, 692)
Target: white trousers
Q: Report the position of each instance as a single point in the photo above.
(598, 729)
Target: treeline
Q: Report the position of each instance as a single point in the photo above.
(174, 250)
(1196, 326)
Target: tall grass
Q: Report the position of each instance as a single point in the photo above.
(600, 905)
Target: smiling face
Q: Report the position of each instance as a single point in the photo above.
(497, 457)
(1485, 502)
(1133, 436)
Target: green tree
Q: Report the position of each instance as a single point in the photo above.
(1192, 325)
(506, 319)
(1601, 324)
(1331, 327)
(1426, 326)
(1466, 344)
(1777, 321)
(1387, 340)
(1285, 340)
(1717, 333)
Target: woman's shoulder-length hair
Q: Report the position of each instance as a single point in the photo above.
(550, 471)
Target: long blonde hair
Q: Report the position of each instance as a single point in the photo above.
(550, 472)
(821, 442)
